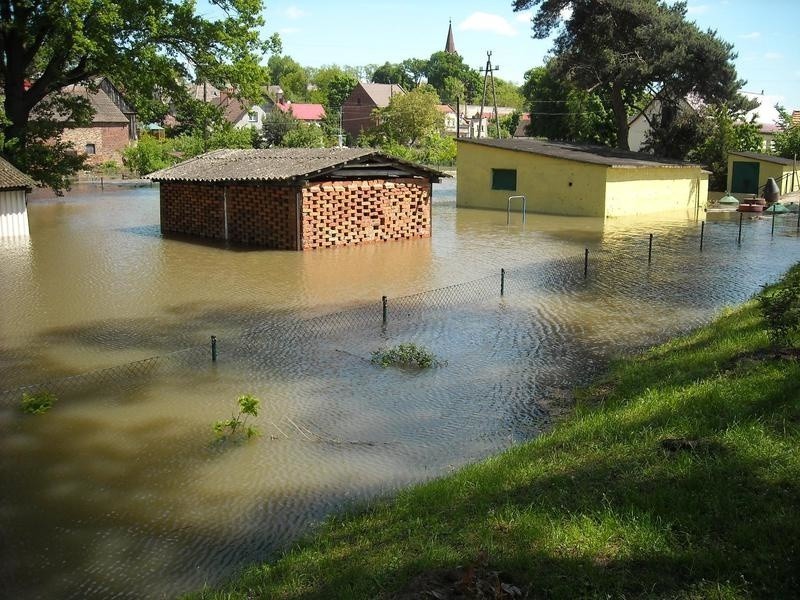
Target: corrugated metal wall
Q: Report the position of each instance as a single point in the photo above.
(13, 214)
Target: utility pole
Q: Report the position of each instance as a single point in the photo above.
(488, 75)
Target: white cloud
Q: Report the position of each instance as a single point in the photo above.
(481, 21)
(524, 16)
(751, 36)
(292, 12)
(566, 13)
(773, 56)
(698, 9)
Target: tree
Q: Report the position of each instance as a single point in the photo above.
(624, 48)
(561, 111)
(304, 135)
(507, 94)
(443, 65)
(724, 132)
(47, 46)
(787, 140)
(334, 85)
(393, 73)
(274, 127)
(410, 116)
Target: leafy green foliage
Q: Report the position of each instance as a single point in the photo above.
(411, 116)
(625, 48)
(236, 427)
(38, 403)
(443, 65)
(304, 135)
(787, 140)
(722, 132)
(434, 149)
(406, 356)
(149, 46)
(148, 155)
(780, 308)
(333, 85)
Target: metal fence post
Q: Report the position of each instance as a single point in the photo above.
(502, 281)
(739, 240)
(772, 231)
(702, 233)
(585, 263)
(650, 250)
(213, 348)
(384, 302)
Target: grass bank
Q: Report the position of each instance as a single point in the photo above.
(677, 476)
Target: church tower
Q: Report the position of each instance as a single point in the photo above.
(450, 45)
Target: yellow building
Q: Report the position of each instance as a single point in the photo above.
(574, 180)
(749, 171)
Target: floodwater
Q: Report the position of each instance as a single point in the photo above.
(120, 491)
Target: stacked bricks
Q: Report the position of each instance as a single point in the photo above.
(193, 208)
(263, 216)
(341, 213)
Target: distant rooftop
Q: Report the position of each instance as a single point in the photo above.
(381, 93)
(598, 155)
(779, 160)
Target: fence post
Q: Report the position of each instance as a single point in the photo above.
(101, 183)
(213, 348)
(702, 233)
(585, 263)
(772, 231)
(502, 281)
(798, 216)
(739, 240)
(650, 250)
(384, 302)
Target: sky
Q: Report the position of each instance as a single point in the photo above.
(321, 32)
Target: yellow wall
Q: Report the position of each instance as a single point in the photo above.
(648, 190)
(544, 180)
(766, 170)
(596, 190)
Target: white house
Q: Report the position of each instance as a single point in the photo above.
(14, 187)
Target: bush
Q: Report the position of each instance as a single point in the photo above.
(38, 403)
(237, 426)
(406, 356)
(780, 308)
(148, 155)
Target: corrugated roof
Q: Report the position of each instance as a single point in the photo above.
(12, 178)
(598, 155)
(272, 165)
(765, 157)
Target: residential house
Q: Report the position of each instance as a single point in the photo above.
(357, 110)
(308, 113)
(240, 113)
(113, 125)
(451, 121)
(574, 179)
(297, 198)
(14, 187)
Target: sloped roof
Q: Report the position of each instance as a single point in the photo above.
(765, 157)
(276, 165)
(12, 178)
(105, 110)
(232, 108)
(304, 112)
(598, 155)
(381, 93)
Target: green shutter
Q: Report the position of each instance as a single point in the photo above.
(504, 179)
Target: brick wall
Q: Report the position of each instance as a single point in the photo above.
(342, 213)
(333, 213)
(109, 141)
(195, 209)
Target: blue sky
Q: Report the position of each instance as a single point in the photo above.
(320, 32)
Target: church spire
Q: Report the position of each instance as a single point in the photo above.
(450, 45)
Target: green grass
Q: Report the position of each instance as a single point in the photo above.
(599, 507)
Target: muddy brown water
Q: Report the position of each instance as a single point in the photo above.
(119, 492)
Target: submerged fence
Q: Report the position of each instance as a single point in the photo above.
(637, 261)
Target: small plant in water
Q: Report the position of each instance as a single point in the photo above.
(38, 403)
(406, 355)
(236, 426)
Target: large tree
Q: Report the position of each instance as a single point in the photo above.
(411, 116)
(146, 46)
(625, 48)
(445, 65)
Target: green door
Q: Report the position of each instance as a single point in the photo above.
(745, 178)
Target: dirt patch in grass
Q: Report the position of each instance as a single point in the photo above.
(765, 354)
(475, 582)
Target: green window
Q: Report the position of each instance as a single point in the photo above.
(504, 179)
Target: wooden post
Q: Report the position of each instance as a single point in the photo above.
(702, 232)
(502, 281)
(650, 250)
(213, 348)
(586, 263)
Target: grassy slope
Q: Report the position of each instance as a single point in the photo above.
(598, 507)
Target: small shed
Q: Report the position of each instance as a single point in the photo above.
(748, 173)
(14, 187)
(574, 180)
(297, 198)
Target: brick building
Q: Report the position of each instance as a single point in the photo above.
(366, 97)
(297, 198)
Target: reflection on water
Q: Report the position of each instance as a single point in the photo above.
(118, 492)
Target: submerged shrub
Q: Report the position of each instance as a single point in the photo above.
(780, 308)
(406, 355)
(237, 426)
(38, 403)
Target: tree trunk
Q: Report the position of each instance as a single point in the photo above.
(620, 117)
